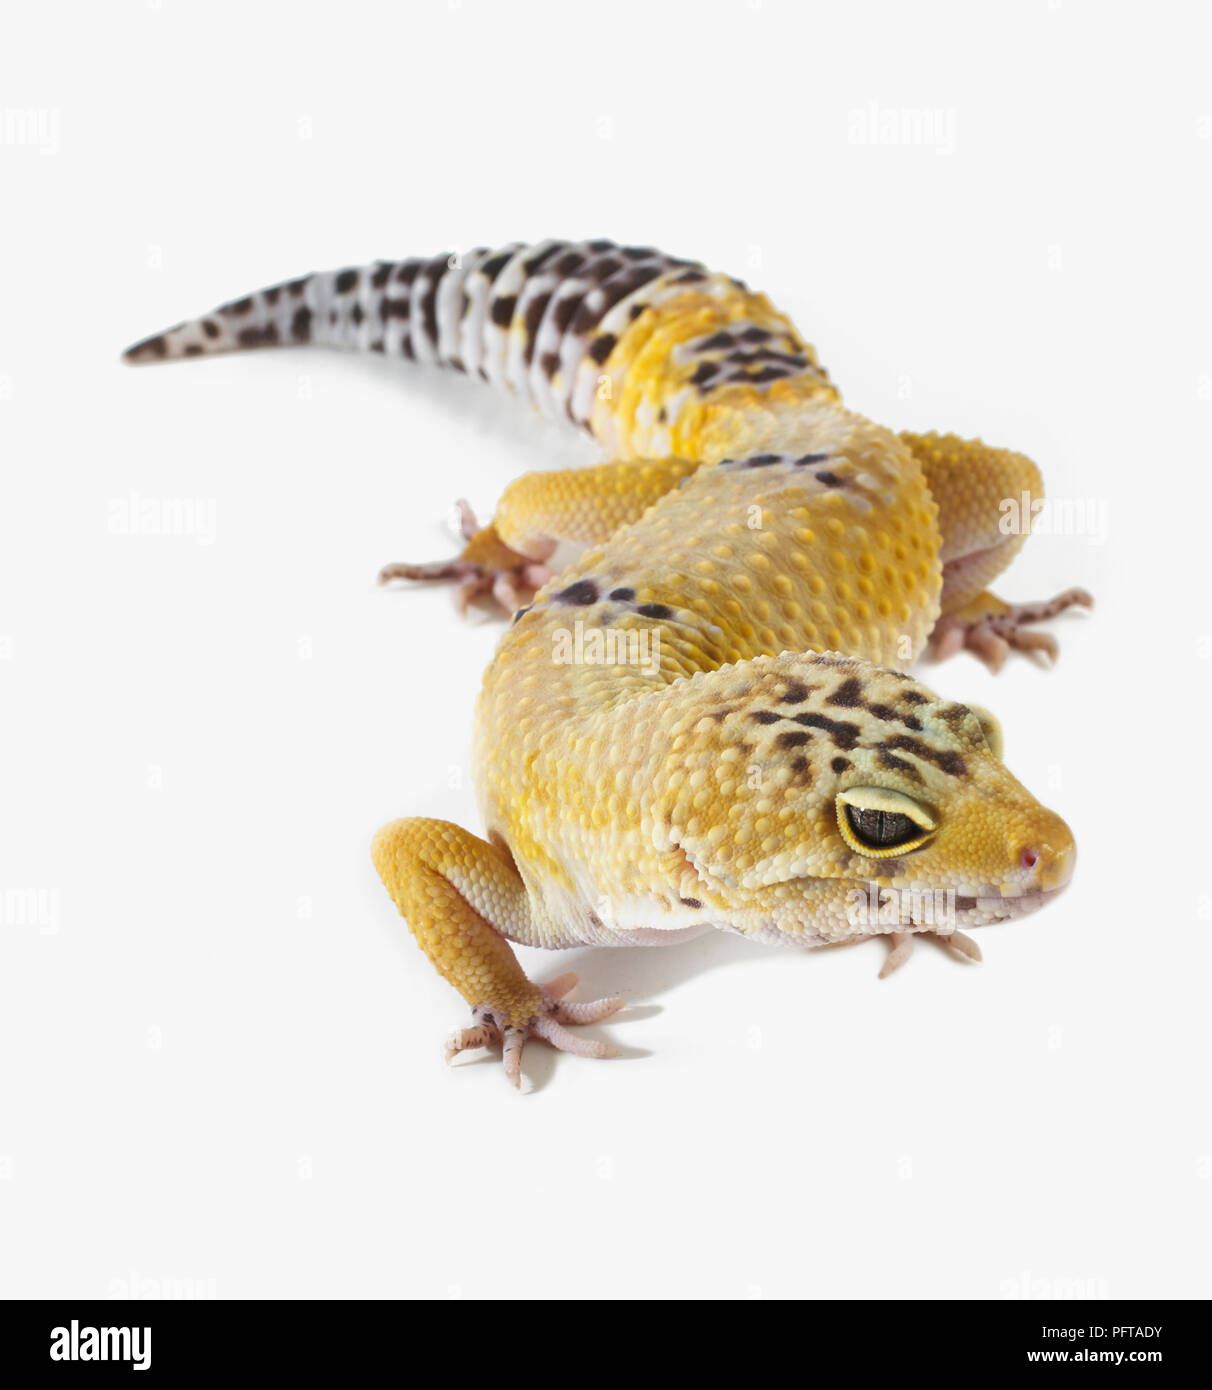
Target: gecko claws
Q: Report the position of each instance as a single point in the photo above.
(902, 948)
(991, 629)
(548, 1025)
(486, 566)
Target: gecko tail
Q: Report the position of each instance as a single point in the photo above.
(347, 308)
(536, 321)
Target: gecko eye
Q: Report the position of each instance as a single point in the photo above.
(880, 822)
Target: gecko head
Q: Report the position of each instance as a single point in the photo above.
(845, 775)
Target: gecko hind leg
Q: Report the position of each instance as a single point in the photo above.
(972, 484)
(486, 565)
(992, 628)
(582, 506)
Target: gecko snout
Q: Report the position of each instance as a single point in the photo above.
(1045, 862)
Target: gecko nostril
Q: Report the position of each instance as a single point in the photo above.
(1029, 858)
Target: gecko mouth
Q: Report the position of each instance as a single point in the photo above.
(985, 911)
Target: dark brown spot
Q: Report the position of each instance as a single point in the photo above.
(795, 694)
(766, 716)
(848, 695)
(945, 759)
(381, 274)
(584, 591)
(806, 460)
(258, 337)
(211, 328)
(891, 761)
(690, 902)
(601, 347)
(569, 262)
(793, 738)
(300, 324)
(537, 261)
(240, 306)
(622, 595)
(347, 280)
(843, 733)
(659, 611)
(502, 310)
(840, 764)
(495, 264)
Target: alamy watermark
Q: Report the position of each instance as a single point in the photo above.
(135, 515)
(922, 127)
(610, 646)
(873, 906)
(30, 127)
(1054, 516)
(30, 907)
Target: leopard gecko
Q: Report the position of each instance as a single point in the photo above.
(706, 721)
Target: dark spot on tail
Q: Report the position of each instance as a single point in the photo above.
(623, 595)
(265, 336)
(300, 325)
(502, 310)
(690, 902)
(658, 611)
(601, 347)
(149, 347)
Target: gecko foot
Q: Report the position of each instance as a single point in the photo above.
(487, 565)
(902, 948)
(991, 628)
(488, 1029)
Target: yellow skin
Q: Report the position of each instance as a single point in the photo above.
(752, 756)
(626, 805)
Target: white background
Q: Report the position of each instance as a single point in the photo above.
(220, 1050)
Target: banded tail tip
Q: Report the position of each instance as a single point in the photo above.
(208, 335)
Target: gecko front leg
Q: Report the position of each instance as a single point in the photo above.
(460, 896)
(902, 943)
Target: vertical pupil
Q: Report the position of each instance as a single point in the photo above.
(880, 828)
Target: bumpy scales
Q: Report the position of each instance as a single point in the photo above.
(705, 722)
